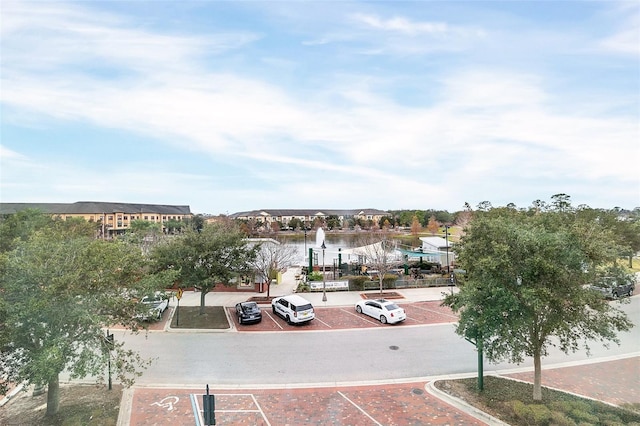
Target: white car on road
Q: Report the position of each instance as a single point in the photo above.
(381, 309)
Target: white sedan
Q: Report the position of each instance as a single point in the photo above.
(152, 307)
(381, 309)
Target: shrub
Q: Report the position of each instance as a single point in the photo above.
(531, 414)
(314, 276)
(356, 282)
(303, 288)
(389, 281)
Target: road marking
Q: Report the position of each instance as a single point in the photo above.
(272, 319)
(359, 408)
(198, 413)
(435, 312)
(318, 319)
(363, 317)
(167, 402)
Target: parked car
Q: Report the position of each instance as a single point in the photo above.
(382, 310)
(612, 289)
(293, 308)
(152, 307)
(248, 312)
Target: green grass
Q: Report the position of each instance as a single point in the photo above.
(512, 402)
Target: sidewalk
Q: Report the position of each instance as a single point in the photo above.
(289, 285)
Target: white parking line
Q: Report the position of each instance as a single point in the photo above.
(434, 311)
(199, 412)
(272, 319)
(318, 319)
(361, 316)
(361, 410)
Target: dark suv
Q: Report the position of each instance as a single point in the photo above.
(610, 288)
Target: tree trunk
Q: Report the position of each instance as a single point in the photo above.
(631, 261)
(268, 287)
(202, 295)
(537, 377)
(381, 279)
(53, 396)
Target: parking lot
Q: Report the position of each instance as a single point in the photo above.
(337, 318)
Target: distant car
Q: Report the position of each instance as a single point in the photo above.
(382, 310)
(293, 308)
(611, 289)
(248, 312)
(152, 307)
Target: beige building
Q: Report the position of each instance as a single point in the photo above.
(268, 216)
(114, 217)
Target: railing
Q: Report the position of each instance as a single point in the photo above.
(410, 283)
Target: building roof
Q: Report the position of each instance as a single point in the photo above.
(309, 212)
(95, 207)
(436, 241)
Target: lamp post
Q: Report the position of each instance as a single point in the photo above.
(324, 284)
(305, 240)
(446, 239)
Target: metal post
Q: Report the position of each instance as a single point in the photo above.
(446, 238)
(324, 284)
(109, 343)
(480, 363)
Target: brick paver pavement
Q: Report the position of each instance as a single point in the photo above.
(401, 404)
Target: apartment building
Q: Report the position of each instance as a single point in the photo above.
(115, 218)
(268, 216)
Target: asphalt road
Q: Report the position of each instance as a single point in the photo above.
(328, 357)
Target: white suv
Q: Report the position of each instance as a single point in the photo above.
(293, 308)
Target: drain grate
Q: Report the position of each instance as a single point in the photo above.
(394, 347)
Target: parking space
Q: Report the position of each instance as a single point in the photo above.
(339, 318)
(398, 404)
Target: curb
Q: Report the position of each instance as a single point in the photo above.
(462, 405)
(11, 394)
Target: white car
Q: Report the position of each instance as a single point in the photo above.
(152, 307)
(381, 309)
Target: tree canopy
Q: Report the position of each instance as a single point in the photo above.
(202, 259)
(61, 288)
(525, 285)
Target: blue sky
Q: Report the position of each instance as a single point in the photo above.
(229, 106)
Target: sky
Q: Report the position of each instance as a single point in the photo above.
(229, 106)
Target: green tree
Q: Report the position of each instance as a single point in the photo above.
(216, 254)
(525, 284)
(61, 287)
(144, 234)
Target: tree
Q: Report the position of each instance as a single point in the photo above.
(377, 250)
(216, 254)
(524, 287)
(144, 234)
(61, 287)
(272, 257)
(415, 226)
(433, 226)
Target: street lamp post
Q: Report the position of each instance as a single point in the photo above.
(305, 240)
(324, 284)
(446, 239)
